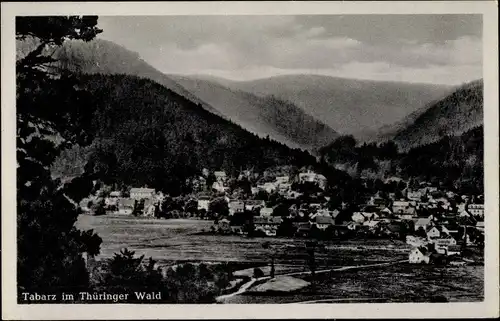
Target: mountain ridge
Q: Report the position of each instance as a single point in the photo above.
(344, 104)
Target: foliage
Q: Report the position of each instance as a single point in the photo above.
(53, 112)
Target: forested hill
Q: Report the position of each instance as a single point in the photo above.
(147, 134)
(264, 115)
(105, 57)
(455, 160)
(458, 112)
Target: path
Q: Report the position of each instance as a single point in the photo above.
(252, 281)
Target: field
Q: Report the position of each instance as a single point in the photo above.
(179, 240)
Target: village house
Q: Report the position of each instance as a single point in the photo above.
(220, 176)
(415, 241)
(414, 195)
(309, 176)
(303, 228)
(371, 224)
(323, 222)
(268, 225)
(115, 194)
(283, 188)
(358, 217)
(149, 208)
(111, 201)
(321, 181)
(444, 240)
(378, 202)
(436, 231)
(269, 187)
(394, 179)
(291, 195)
(84, 205)
(422, 222)
(266, 211)
(419, 255)
(400, 207)
(224, 226)
(385, 212)
(476, 209)
(251, 205)
(126, 206)
(282, 179)
(203, 203)
(219, 187)
(138, 193)
(236, 206)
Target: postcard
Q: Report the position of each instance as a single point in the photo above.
(245, 160)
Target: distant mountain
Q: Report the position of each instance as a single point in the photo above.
(348, 106)
(298, 130)
(105, 57)
(147, 134)
(453, 115)
(264, 115)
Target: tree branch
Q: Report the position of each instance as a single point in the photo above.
(30, 58)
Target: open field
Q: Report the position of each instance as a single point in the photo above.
(176, 240)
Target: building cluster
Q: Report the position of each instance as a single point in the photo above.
(431, 219)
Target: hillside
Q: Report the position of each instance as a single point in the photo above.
(458, 112)
(147, 134)
(346, 105)
(105, 57)
(453, 160)
(266, 115)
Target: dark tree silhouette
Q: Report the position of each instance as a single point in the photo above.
(53, 112)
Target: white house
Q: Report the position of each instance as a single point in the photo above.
(141, 192)
(203, 203)
(282, 179)
(220, 176)
(266, 211)
(400, 207)
(219, 187)
(419, 255)
(414, 195)
(322, 222)
(358, 217)
(476, 209)
(433, 232)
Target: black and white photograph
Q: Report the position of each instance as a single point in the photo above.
(323, 158)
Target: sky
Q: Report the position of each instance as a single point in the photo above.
(440, 49)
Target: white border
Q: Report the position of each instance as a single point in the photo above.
(488, 308)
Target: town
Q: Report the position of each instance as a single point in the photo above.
(291, 202)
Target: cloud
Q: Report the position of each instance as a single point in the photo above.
(432, 46)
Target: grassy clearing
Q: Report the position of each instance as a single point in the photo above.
(177, 240)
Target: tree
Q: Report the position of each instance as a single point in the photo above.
(219, 207)
(53, 113)
(272, 253)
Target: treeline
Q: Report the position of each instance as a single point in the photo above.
(453, 162)
(147, 135)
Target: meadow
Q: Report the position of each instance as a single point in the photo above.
(178, 240)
